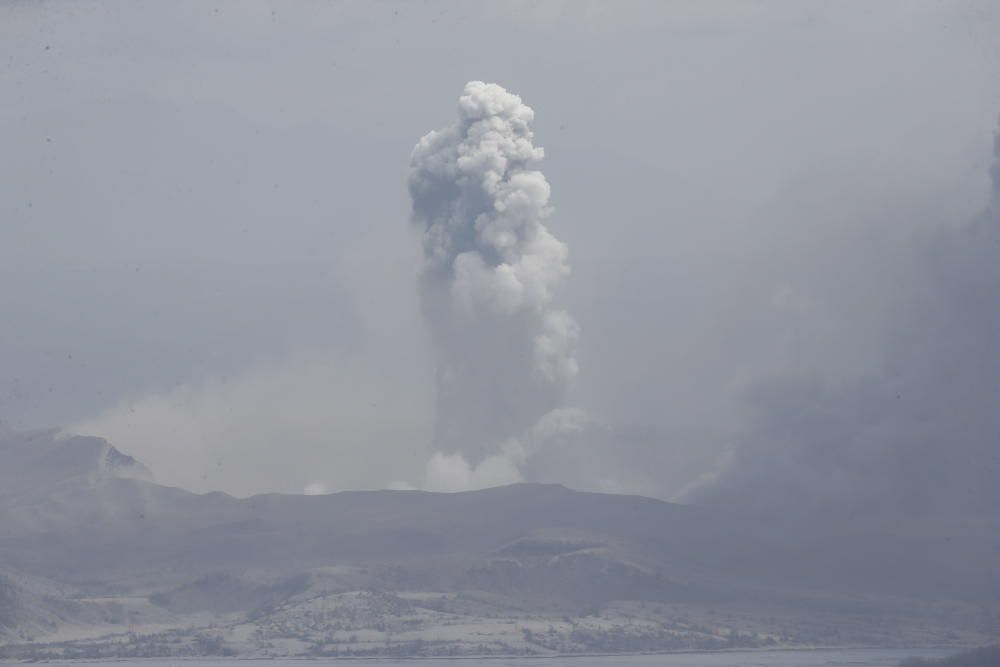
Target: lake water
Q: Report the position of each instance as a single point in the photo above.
(816, 658)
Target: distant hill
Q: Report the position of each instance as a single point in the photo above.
(77, 514)
(36, 462)
(987, 656)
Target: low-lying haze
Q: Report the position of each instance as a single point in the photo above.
(780, 221)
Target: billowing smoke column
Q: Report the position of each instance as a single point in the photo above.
(505, 355)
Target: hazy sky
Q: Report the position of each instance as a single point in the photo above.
(206, 252)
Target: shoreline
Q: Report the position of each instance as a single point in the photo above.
(508, 656)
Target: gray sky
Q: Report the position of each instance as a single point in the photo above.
(206, 253)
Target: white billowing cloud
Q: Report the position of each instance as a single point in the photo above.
(315, 489)
(277, 427)
(451, 472)
(553, 347)
(505, 356)
(511, 461)
(483, 205)
(567, 420)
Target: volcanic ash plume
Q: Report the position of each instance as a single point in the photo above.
(505, 355)
(919, 435)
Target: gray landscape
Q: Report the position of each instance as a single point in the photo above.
(612, 333)
(99, 562)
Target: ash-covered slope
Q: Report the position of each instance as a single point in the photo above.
(34, 463)
(78, 519)
(31, 607)
(87, 545)
(23, 612)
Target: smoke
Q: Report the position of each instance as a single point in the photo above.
(308, 423)
(315, 489)
(528, 457)
(505, 356)
(921, 432)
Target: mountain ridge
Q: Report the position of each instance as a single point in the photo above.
(89, 548)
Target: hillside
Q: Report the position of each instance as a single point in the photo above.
(94, 552)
